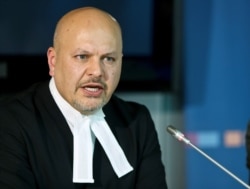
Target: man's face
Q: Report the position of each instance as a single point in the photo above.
(86, 65)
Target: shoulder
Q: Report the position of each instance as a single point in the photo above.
(131, 107)
(26, 100)
(126, 111)
(27, 110)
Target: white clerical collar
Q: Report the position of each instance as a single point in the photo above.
(84, 128)
(71, 115)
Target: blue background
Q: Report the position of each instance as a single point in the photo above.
(216, 62)
(27, 26)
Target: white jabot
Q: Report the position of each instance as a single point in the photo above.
(83, 152)
(85, 129)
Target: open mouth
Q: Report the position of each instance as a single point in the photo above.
(93, 90)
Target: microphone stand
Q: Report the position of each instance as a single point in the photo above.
(180, 136)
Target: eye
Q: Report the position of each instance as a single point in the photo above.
(81, 56)
(109, 60)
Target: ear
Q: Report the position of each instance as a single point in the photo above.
(51, 56)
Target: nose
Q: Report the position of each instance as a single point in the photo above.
(95, 68)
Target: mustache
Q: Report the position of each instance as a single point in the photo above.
(94, 80)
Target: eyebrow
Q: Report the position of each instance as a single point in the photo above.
(111, 53)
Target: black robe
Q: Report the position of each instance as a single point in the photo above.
(36, 145)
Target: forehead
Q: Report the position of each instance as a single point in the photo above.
(88, 20)
(93, 41)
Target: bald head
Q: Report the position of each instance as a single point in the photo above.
(86, 18)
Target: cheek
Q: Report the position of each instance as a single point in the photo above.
(70, 68)
(115, 76)
(114, 72)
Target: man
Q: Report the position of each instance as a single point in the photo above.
(72, 132)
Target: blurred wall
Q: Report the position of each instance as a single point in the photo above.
(216, 64)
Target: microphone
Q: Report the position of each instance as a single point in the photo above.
(180, 136)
